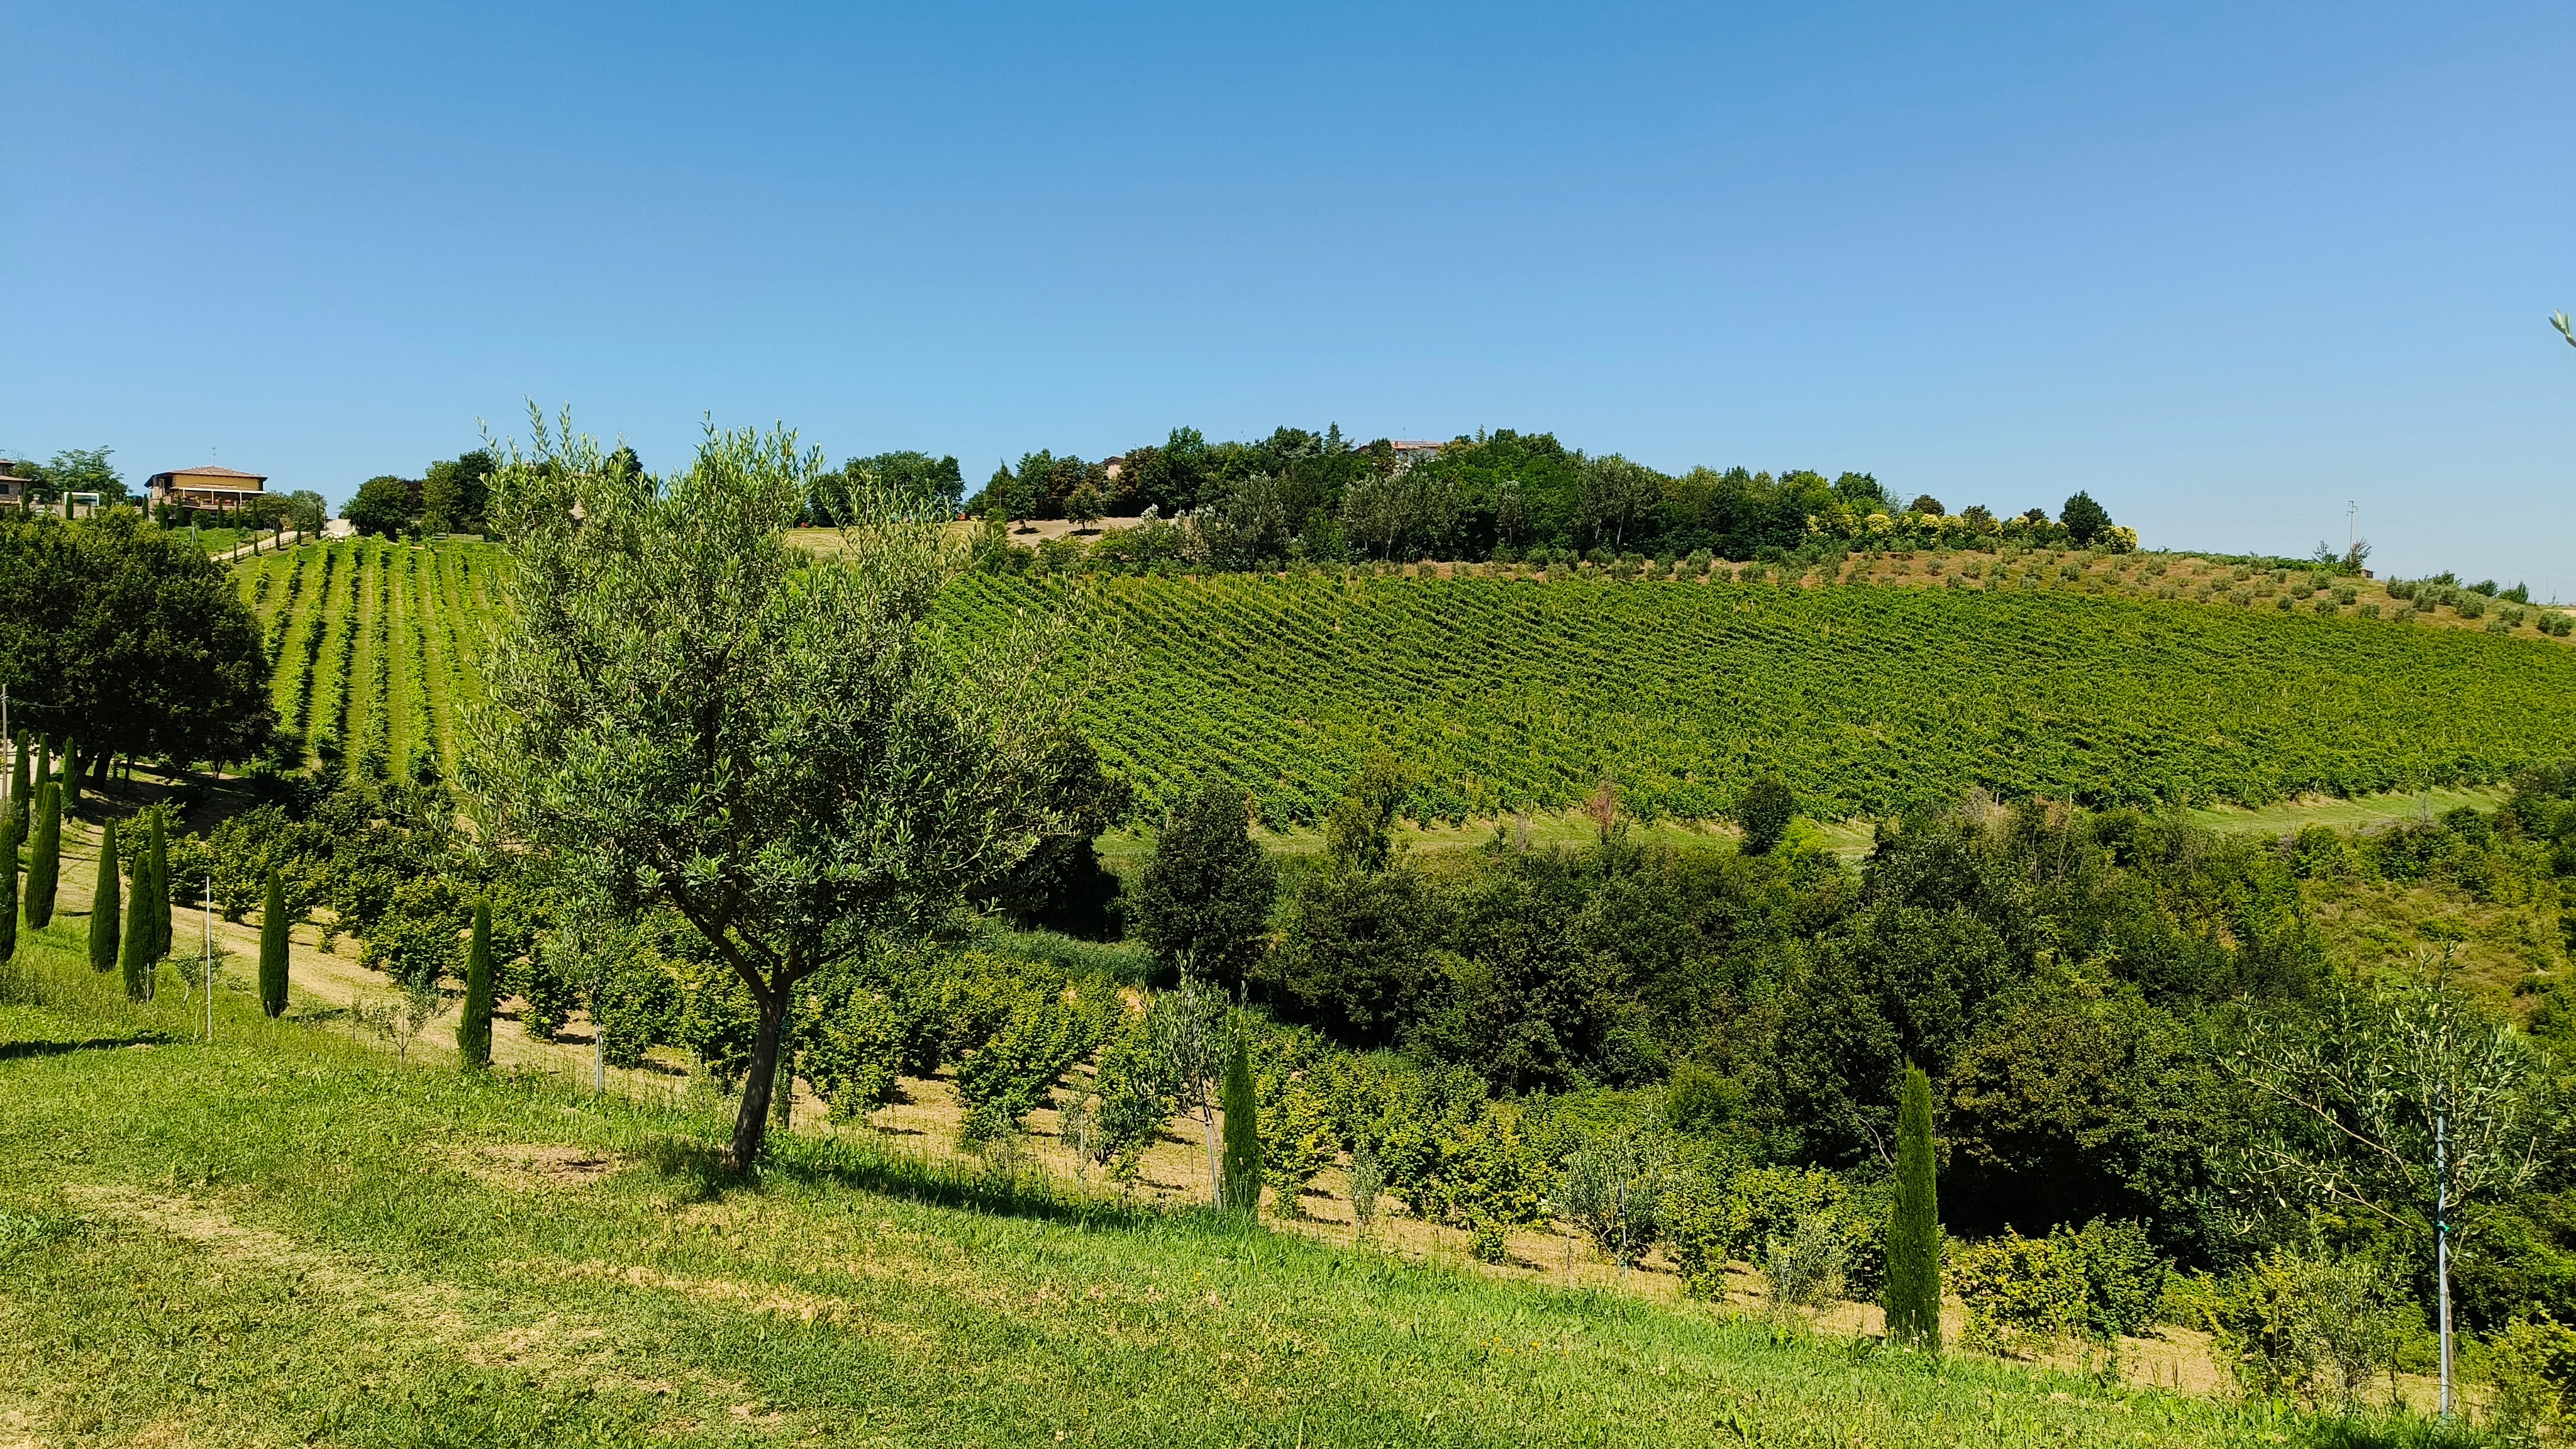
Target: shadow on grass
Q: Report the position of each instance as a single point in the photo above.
(698, 1167)
(2404, 1431)
(13, 1050)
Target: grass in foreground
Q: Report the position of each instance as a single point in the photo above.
(286, 1238)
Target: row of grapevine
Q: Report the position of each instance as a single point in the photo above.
(371, 647)
(1507, 695)
(1511, 695)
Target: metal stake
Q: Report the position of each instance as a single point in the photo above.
(2442, 1228)
(210, 958)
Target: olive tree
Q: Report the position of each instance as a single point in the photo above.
(2402, 1105)
(688, 712)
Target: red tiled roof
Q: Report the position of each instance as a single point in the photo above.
(210, 471)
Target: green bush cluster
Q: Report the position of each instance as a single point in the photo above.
(2099, 1282)
(1712, 1220)
(1010, 1028)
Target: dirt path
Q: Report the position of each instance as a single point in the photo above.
(325, 984)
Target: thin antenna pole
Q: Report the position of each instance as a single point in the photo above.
(2442, 1228)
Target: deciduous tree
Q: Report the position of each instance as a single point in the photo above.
(132, 638)
(1202, 903)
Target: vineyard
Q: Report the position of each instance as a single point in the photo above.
(371, 649)
(1520, 695)
(1510, 695)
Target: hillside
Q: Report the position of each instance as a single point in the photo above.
(371, 646)
(285, 1237)
(1513, 694)
(1869, 693)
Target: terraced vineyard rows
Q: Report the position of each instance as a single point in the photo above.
(371, 648)
(1508, 695)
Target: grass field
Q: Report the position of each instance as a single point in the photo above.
(285, 1238)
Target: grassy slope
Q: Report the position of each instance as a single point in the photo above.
(283, 1238)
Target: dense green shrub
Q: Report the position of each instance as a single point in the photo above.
(2098, 1282)
(414, 938)
(858, 1053)
(1712, 1220)
(1011, 1073)
(2319, 1328)
(1764, 813)
(2531, 1365)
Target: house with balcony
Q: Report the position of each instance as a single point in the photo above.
(220, 489)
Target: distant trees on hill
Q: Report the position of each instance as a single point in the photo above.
(1299, 495)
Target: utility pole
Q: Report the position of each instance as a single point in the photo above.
(2442, 1228)
(2351, 525)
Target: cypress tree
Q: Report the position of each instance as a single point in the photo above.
(1240, 1191)
(8, 885)
(20, 781)
(135, 959)
(70, 771)
(1914, 1224)
(105, 919)
(155, 902)
(45, 865)
(272, 948)
(474, 1028)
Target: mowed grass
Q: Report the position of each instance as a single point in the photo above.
(284, 1237)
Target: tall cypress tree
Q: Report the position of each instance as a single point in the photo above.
(8, 885)
(474, 1028)
(45, 864)
(70, 772)
(1914, 1224)
(1240, 1192)
(272, 948)
(135, 959)
(106, 920)
(156, 902)
(21, 780)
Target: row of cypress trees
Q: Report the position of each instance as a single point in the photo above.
(132, 936)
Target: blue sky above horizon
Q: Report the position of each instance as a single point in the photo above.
(2225, 267)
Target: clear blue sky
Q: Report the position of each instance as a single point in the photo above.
(2225, 266)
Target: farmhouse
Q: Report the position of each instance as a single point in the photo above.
(207, 487)
(13, 489)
